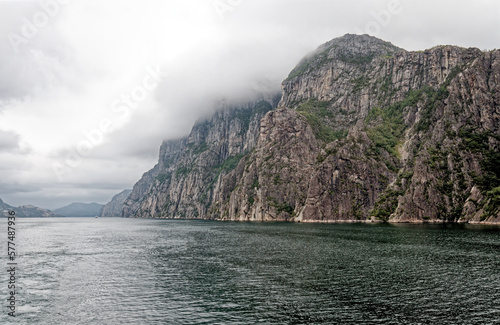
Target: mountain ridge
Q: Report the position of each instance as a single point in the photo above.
(79, 209)
(364, 131)
(26, 211)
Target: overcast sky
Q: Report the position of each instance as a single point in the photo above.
(89, 89)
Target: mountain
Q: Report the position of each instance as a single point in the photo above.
(80, 210)
(189, 172)
(30, 211)
(364, 131)
(5, 206)
(114, 207)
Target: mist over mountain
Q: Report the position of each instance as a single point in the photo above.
(364, 130)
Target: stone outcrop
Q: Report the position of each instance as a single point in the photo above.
(364, 131)
(114, 207)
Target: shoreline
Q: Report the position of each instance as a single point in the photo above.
(409, 222)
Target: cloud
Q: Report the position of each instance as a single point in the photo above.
(79, 68)
(9, 141)
(32, 58)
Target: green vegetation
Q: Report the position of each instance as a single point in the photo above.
(162, 178)
(246, 115)
(320, 107)
(387, 135)
(355, 58)
(450, 181)
(280, 207)
(357, 208)
(386, 205)
(489, 181)
(321, 58)
(168, 161)
(493, 204)
(255, 183)
(200, 148)
(228, 165)
(434, 99)
(386, 85)
(490, 164)
(437, 158)
(476, 142)
(316, 112)
(285, 207)
(231, 162)
(360, 83)
(307, 64)
(389, 132)
(406, 174)
(183, 171)
(251, 199)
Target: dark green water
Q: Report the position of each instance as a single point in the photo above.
(126, 271)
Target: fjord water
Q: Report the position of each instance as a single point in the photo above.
(136, 271)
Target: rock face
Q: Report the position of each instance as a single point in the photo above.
(26, 211)
(114, 207)
(364, 130)
(80, 210)
(191, 170)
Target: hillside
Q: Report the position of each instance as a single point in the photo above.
(80, 210)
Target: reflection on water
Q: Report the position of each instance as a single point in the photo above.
(130, 271)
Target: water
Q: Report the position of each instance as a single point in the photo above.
(131, 271)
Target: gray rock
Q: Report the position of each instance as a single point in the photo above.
(114, 207)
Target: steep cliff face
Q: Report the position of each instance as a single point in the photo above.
(114, 207)
(365, 130)
(190, 170)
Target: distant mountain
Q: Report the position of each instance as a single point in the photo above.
(80, 210)
(28, 211)
(4, 205)
(114, 207)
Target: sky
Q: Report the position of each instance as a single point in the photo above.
(89, 89)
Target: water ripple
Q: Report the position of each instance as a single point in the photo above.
(127, 271)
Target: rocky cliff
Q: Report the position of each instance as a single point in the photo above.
(191, 170)
(114, 207)
(364, 131)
